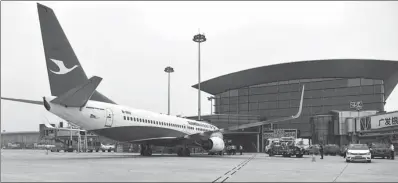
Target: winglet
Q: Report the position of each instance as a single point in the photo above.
(78, 96)
(301, 105)
(249, 125)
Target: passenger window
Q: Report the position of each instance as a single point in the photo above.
(124, 117)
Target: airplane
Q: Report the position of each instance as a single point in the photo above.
(75, 99)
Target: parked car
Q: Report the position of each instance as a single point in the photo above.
(358, 152)
(380, 150)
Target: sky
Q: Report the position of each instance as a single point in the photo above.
(129, 44)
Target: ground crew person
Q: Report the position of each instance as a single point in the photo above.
(321, 150)
(392, 151)
(240, 149)
(345, 151)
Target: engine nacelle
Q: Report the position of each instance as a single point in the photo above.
(214, 144)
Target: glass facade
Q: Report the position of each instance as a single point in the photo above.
(322, 129)
(280, 99)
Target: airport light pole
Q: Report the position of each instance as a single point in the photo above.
(168, 70)
(199, 38)
(211, 103)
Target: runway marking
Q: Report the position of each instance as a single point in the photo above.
(235, 169)
(340, 173)
(225, 179)
(217, 179)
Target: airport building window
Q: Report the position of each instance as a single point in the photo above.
(367, 89)
(379, 88)
(366, 82)
(233, 100)
(353, 82)
(233, 93)
(243, 91)
(225, 94)
(378, 82)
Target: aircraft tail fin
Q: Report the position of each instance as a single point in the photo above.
(78, 96)
(63, 67)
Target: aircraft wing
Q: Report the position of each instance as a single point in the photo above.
(204, 135)
(171, 141)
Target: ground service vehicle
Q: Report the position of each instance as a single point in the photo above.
(93, 146)
(230, 148)
(358, 152)
(300, 143)
(285, 146)
(108, 148)
(67, 146)
(268, 144)
(380, 150)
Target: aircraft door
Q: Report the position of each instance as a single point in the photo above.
(109, 118)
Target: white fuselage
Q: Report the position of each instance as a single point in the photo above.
(97, 116)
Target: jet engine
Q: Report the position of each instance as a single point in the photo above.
(214, 144)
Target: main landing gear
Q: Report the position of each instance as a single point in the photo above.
(184, 152)
(146, 150)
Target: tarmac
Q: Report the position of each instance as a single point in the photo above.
(36, 165)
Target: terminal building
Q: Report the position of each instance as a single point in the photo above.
(274, 91)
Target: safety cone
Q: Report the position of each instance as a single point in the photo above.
(313, 158)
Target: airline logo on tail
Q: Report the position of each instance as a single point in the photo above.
(62, 67)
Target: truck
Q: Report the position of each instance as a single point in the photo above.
(268, 144)
(93, 146)
(67, 146)
(230, 148)
(285, 146)
(302, 143)
(108, 147)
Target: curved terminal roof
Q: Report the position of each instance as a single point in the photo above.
(334, 68)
